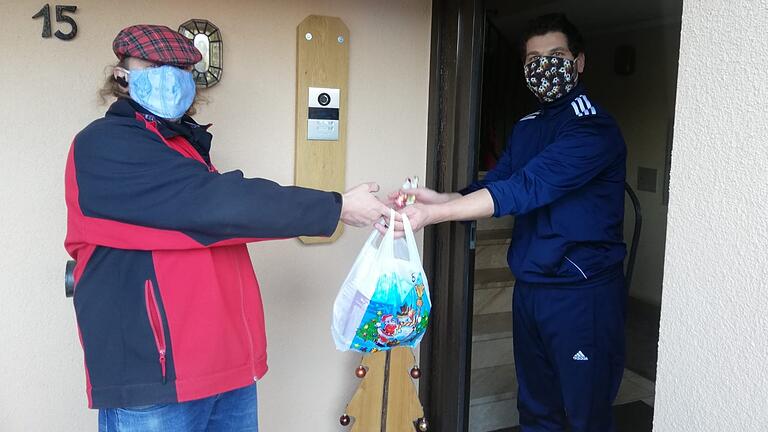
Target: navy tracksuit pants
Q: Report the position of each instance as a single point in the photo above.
(569, 353)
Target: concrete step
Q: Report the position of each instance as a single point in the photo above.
(492, 300)
(492, 353)
(491, 384)
(492, 326)
(493, 399)
(491, 256)
(492, 246)
(488, 278)
(506, 222)
(493, 416)
(494, 236)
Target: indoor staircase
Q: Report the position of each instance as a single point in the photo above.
(493, 394)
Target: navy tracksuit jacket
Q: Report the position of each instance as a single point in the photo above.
(562, 176)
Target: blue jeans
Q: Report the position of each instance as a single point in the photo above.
(233, 411)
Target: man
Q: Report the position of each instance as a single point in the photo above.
(562, 176)
(168, 307)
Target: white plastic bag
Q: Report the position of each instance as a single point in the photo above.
(384, 302)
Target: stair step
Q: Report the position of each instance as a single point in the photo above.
(491, 255)
(492, 300)
(506, 222)
(499, 277)
(494, 236)
(492, 326)
(491, 383)
(491, 353)
(493, 416)
(494, 398)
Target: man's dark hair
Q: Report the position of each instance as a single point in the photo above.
(555, 22)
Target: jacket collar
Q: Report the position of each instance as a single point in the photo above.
(126, 107)
(565, 100)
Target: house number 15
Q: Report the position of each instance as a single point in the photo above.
(45, 13)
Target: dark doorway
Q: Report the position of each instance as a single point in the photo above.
(476, 96)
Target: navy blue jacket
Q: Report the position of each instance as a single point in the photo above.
(562, 176)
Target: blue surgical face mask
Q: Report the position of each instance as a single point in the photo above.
(165, 91)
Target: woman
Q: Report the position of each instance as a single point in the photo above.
(167, 303)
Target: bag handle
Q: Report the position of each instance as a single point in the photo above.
(375, 234)
(388, 243)
(410, 240)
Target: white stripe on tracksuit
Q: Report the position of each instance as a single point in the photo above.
(589, 104)
(582, 106)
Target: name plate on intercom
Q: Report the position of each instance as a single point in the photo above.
(323, 114)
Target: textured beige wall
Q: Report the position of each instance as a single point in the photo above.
(644, 105)
(713, 347)
(48, 89)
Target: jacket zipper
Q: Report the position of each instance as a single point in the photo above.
(188, 148)
(577, 267)
(245, 322)
(156, 323)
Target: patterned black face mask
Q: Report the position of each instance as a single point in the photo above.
(550, 77)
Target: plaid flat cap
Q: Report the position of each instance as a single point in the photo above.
(156, 43)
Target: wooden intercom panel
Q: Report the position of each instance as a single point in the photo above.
(322, 74)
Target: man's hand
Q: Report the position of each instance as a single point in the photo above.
(361, 208)
(477, 205)
(419, 215)
(423, 195)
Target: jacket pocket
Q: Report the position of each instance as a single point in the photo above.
(576, 266)
(156, 323)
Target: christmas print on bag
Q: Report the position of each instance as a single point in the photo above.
(384, 302)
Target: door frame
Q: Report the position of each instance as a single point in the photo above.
(456, 59)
